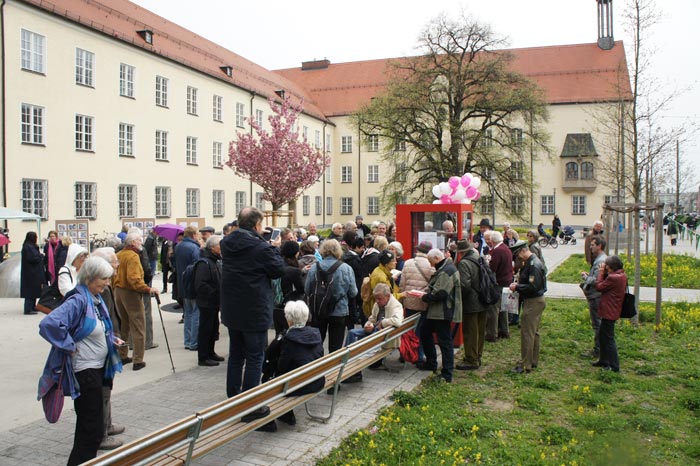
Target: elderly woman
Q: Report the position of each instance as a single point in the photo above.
(67, 274)
(207, 283)
(510, 237)
(31, 273)
(397, 249)
(83, 348)
(383, 274)
(611, 283)
(54, 257)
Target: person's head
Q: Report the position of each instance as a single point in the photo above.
(487, 238)
(380, 243)
(435, 256)
(614, 263)
(296, 313)
(313, 240)
(226, 229)
(350, 227)
(348, 237)
(521, 251)
(213, 245)
(337, 229)
(532, 236)
(125, 229)
(251, 219)
(331, 248)
(496, 237)
(510, 233)
(359, 220)
(53, 236)
(95, 274)
(233, 226)
(190, 232)
(382, 294)
(448, 226)
(289, 250)
(76, 255)
(396, 248)
(312, 229)
(109, 255)
(31, 237)
(135, 239)
(506, 227)
(180, 236)
(387, 259)
(307, 247)
(428, 226)
(357, 245)
(598, 244)
(484, 225)
(381, 229)
(463, 246)
(206, 232)
(424, 247)
(597, 227)
(67, 241)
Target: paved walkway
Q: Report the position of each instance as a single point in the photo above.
(151, 398)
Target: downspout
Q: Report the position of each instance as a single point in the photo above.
(323, 178)
(2, 109)
(252, 96)
(359, 171)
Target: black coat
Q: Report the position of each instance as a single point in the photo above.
(292, 284)
(355, 263)
(301, 346)
(165, 254)
(207, 280)
(59, 259)
(151, 247)
(249, 265)
(32, 275)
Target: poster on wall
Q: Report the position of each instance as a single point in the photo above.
(190, 221)
(143, 224)
(77, 230)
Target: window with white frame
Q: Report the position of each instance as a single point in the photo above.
(608, 199)
(401, 172)
(578, 205)
(373, 173)
(240, 201)
(126, 80)
(191, 150)
(400, 146)
(317, 139)
(32, 124)
(83, 132)
(192, 202)
(305, 133)
(162, 201)
(259, 201)
(547, 205)
(217, 159)
(346, 174)
(240, 115)
(516, 171)
(161, 145)
(329, 205)
(516, 136)
(259, 117)
(329, 173)
(33, 54)
(84, 67)
(318, 205)
(373, 205)
(486, 205)
(517, 204)
(85, 200)
(217, 208)
(191, 100)
(328, 142)
(346, 144)
(126, 140)
(345, 206)
(486, 138)
(373, 142)
(161, 91)
(127, 200)
(217, 101)
(35, 197)
(305, 205)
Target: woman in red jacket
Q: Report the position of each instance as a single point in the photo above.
(612, 283)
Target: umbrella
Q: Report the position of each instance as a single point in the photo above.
(168, 231)
(4, 240)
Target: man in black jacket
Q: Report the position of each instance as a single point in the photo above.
(352, 257)
(249, 265)
(207, 285)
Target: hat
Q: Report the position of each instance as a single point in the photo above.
(484, 222)
(359, 217)
(424, 247)
(289, 249)
(518, 246)
(207, 229)
(385, 257)
(463, 245)
(313, 239)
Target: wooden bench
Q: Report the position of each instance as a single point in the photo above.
(212, 427)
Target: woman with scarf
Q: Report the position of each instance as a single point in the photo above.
(31, 273)
(54, 257)
(83, 349)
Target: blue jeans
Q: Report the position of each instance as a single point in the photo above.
(191, 322)
(244, 348)
(357, 334)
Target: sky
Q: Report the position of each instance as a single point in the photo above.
(281, 34)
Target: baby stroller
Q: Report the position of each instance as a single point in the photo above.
(566, 236)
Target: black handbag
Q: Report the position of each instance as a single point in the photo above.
(49, 300)
(629, 305)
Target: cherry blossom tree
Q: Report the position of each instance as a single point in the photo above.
(279, 161)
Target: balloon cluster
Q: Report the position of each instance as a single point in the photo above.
(458, 190)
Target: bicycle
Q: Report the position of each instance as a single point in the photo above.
(545, 241)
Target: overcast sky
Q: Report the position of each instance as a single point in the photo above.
(281, 34)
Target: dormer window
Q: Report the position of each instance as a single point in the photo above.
(280, 93)
(228, 70)
(146, 35)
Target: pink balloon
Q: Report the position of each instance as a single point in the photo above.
(466, 179)
(454, 182)
(478, 196)
(471, 192)
(445, 199)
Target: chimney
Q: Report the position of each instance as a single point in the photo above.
(605, 24)
(315, 64)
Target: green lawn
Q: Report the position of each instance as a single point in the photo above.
(677, 271)
(563, 413)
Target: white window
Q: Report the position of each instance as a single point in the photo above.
(305, 132)
(84, 66)
(33, 51)
(486, 139)
(345, 206)
(318, 205)
(259, 201)
(216, 104)
(162, 201)
(191, 151)
(259, 117)
(217, 161)
(547, 205)
(346, 174)
(372, 205)
(516, 171)
(608, 199)
(161, 91)
(578, 205)
(346, 144)
(329, 205)
(486, 205)
(161, 145)
(317, 139)
(516, 136)
(83, 132)
(191, 100)
(400, 146)
(127, 200)
(328, 142)
(126, 80)
(306, 205)
(35, 197)
(126, 140)
(373, 142)
(240, 201)
(85, 200)
(240, 114)
(32, 124)
(373, 173)
(329, 173)
(217, 209)
(192, 202)
(517, 204)
(401, 172)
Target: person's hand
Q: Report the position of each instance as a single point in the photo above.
(513, 286)
(155, 292)
(119, 342)
(277, 242)
(584, 275)
(369, 327)
(307, 267)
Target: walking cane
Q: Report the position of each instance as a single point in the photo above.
(165, 334)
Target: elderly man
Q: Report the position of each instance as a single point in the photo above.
(249, 265)
(381, 229)
(479, 241)
(444, 300)
(313, 231)
(186, 253)
(129, 287)
(597, 251)
(531, 286)
(596, 231)
(473, 312)
(362, 229)
(207, 284)
(502, 265)
(206, 233)
(336, 232)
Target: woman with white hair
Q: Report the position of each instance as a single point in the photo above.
(83, 355)
(67, 274)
